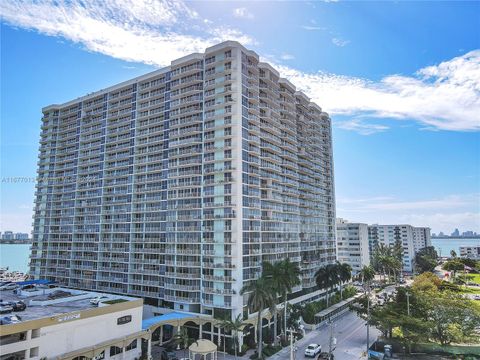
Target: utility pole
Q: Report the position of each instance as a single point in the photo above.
(408, 303)
(291, 343)
(368, 319)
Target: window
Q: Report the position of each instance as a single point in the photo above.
(132, 345)
(124, 319)
(115, 350)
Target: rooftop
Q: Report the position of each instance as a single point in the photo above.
(52, 302)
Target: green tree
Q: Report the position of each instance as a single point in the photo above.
(453, 254)
(183, 339)
(327, 278)
(285, 275)
(426, 259)
(274, 273)
(453, 266)
(260, 297)
(234, 327)
(367, 274)
(344, 274)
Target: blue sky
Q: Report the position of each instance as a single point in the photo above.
(401, 81)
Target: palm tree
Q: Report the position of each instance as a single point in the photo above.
(260, 297)
(183, 339)
(285, 275)
(327, 277)
(453, 253)
(274, 273)
(344, 274)
(233, 326)
(367, 274)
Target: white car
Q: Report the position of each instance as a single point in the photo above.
(98, 300)
(312, 350)
(9, 286)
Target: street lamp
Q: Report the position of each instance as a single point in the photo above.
(408, 302)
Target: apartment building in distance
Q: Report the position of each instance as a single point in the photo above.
(175, 186)
(352, 244)
(472, 252)
(411, 238)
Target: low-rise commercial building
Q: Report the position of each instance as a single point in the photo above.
(61, 323)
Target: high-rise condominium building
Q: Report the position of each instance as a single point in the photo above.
(352, 244)
(176, 185)
(412, 239)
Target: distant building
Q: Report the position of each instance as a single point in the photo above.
(421, 238)
(352, 244)
(411, 238)
(21, 236)
(71, 328)
(472, 252)
(456, 233)
(8, 235)
(440, 234)
(468, 233)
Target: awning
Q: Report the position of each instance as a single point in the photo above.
(169, 319)
(34, 282)
(203, 346)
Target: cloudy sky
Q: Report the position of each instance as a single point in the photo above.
(401, 81)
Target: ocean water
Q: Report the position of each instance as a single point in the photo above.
(15, 256)
(444, 246)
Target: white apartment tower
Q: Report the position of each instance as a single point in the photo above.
(352, 244)
(176, 185)
(412, 239)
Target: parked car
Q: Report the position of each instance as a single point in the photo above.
(98, 300)
(17, 305)
(312, 350)
(5, 308)
(325, 356)
(9, 286)
(10, 319)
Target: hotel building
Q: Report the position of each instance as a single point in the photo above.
(352, 244)
(175, 186)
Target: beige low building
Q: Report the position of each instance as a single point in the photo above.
(61, 323)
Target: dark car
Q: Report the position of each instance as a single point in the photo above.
(17, 305)
(325, 356)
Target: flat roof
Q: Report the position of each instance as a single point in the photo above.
(79, 301)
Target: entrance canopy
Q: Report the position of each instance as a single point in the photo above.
(167, 319)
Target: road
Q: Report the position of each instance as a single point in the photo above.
(351, 334)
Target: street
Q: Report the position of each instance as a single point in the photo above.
(351, 334)
(349, 329)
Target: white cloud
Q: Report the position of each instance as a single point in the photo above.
(361, 127)
(313, 28)
(132, 30)
(340, 42)
(444, 96)
(242, 13)
(441, 214)
(287, 57)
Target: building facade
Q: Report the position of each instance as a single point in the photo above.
(175, 186)
(472, 252)
(412, 239)
(353, 245)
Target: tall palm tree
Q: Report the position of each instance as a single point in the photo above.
(234, 327)
(289, 279)
(274, 273)
(260, 297)
(344, 274)
(327, 278)
(367, 274)
(183, 339)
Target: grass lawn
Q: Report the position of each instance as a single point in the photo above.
(471, 278)
(469, 290)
